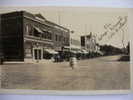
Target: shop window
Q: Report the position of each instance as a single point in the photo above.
(60, 38)
(63, 39)
(44, 35)
(37, 32)
(56, 37)
(50, 36)
(29, 29)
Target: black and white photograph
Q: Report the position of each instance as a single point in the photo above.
(65, 48)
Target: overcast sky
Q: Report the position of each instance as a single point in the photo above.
(83, 21)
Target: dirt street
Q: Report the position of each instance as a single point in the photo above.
(103, 73)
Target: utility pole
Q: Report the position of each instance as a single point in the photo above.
(85, 36)
(59, 18)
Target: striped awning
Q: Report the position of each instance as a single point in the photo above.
(51, 51)
(38, 29)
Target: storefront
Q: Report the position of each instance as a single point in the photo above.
(35, 49)
(26, 37)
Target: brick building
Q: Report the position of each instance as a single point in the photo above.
(29, 36)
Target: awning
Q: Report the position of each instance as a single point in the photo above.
(49, 31)
(51, 51)
(79, 51)
(44, 30)
(100, 52)
(72, 48)
(66, 48)
(84, 51)
(38, 29)
(72, 51)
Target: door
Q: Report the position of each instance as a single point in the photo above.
(37, 54)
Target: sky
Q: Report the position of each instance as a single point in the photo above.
(83, 21)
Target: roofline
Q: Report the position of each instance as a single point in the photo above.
(23, 11)
(48, 21)
(56, 25)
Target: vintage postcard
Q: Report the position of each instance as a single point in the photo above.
(65, 50)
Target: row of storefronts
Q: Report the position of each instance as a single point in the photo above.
(29, 37)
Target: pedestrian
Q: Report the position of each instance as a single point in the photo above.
(73, 62)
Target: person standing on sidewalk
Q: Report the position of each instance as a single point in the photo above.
(73, 62)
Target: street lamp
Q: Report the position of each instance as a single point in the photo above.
(73, 61)
(70, 41)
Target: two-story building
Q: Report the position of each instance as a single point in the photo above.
(30, 36)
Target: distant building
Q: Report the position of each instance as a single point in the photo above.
(83, 41)
(74, 43)
(88, 42)
(28, 36)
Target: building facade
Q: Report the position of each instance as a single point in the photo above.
(75, 45)
(29, 36)
(88, 42)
